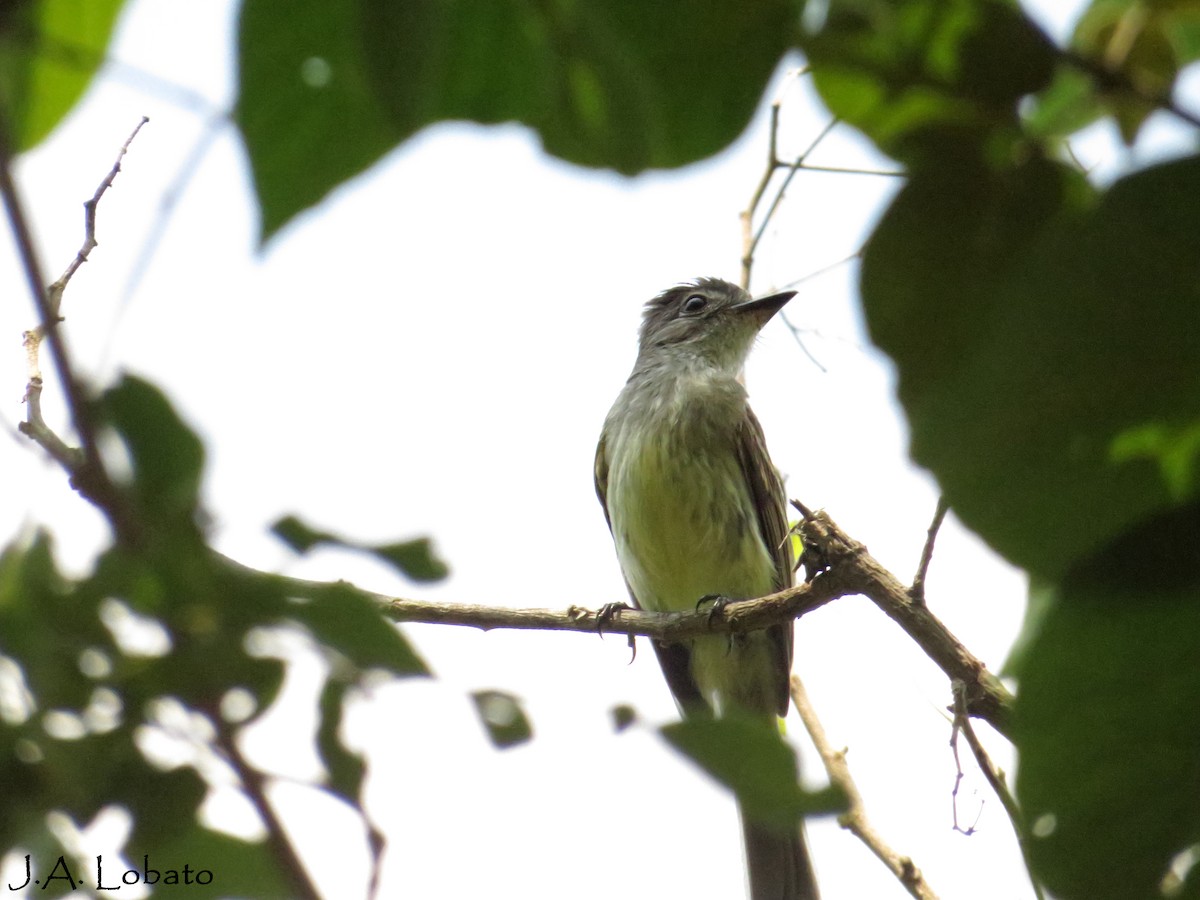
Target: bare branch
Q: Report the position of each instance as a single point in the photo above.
(254, 783)
(55, 291)
(994, 776)
(855, 571)
(854, 819)
(917, 591)
(88, 474)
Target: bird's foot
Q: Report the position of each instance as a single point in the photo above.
(718, 601)
(606, 614)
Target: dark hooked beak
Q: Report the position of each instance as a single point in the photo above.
(763, 308)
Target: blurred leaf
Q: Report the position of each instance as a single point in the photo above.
(345, 769)
(222, 866)
(502, 716)
(348, 621)
(49, 52)
(751, 759)
(1136, 41)
(920, 77)
(1106, 719)
(1069, 103)
(167, 456)
(1034, 332)
(623, 715)
(327, 87)
(299, 536)
(414, 558)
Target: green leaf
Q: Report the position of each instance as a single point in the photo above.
(167, 456)
(49, 52)
(921, 76)
(309, 116)
(1045, 347)
(345, 769)
(222, 866)
(751, 759)
(346, 620)
(502, 716)
(329, 86)
(1136, 41)
(299, 536)
(1068, 104)
(623, 716)
(414, 558)
(1105, 720)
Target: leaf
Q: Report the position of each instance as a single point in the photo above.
(1136, 42)
(167, 456)
(222, 866)
(414, 558)
(348, 621)
(921, 77)
(623, 716)
(1105, 720)
(345, 769)
(750, 758)
(1035, 331)
(49, 52)
(1069, 103)
(503, 718)
(329, 86)
(299, 536)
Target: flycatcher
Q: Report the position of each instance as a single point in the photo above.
(697, 510)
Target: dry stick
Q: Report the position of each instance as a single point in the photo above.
(254, 784)
(855, 571)
(917, 590)
(994, 777)
(98, 488)
(854, 819)
(88, 474)
(750, 237)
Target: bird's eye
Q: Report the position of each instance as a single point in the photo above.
(695, 303)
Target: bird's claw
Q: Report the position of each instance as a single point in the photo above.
(718, 601)
(608, 612)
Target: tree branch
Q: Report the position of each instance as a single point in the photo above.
(854, 571)
(254, 783)
(994, 776)
(854, 819)
(85, 466)
(917, 590)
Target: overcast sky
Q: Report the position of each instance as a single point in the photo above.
(433, 351)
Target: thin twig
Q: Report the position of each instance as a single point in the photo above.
(994, 776)
(167, 205)
(747, 215)
(751, 237)
(854, 819)
(850, 170)
(855, 571)
(90, 479)
(254, 783)
(795, 167)
(55, 291)
(1113, 80)
(917, 590)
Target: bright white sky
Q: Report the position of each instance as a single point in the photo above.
(433, 351)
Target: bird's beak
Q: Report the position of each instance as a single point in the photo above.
(763, 308)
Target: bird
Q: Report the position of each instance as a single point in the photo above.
(697, 511)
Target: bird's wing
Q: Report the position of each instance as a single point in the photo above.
(767, 495)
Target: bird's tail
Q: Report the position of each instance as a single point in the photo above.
(778, 863)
